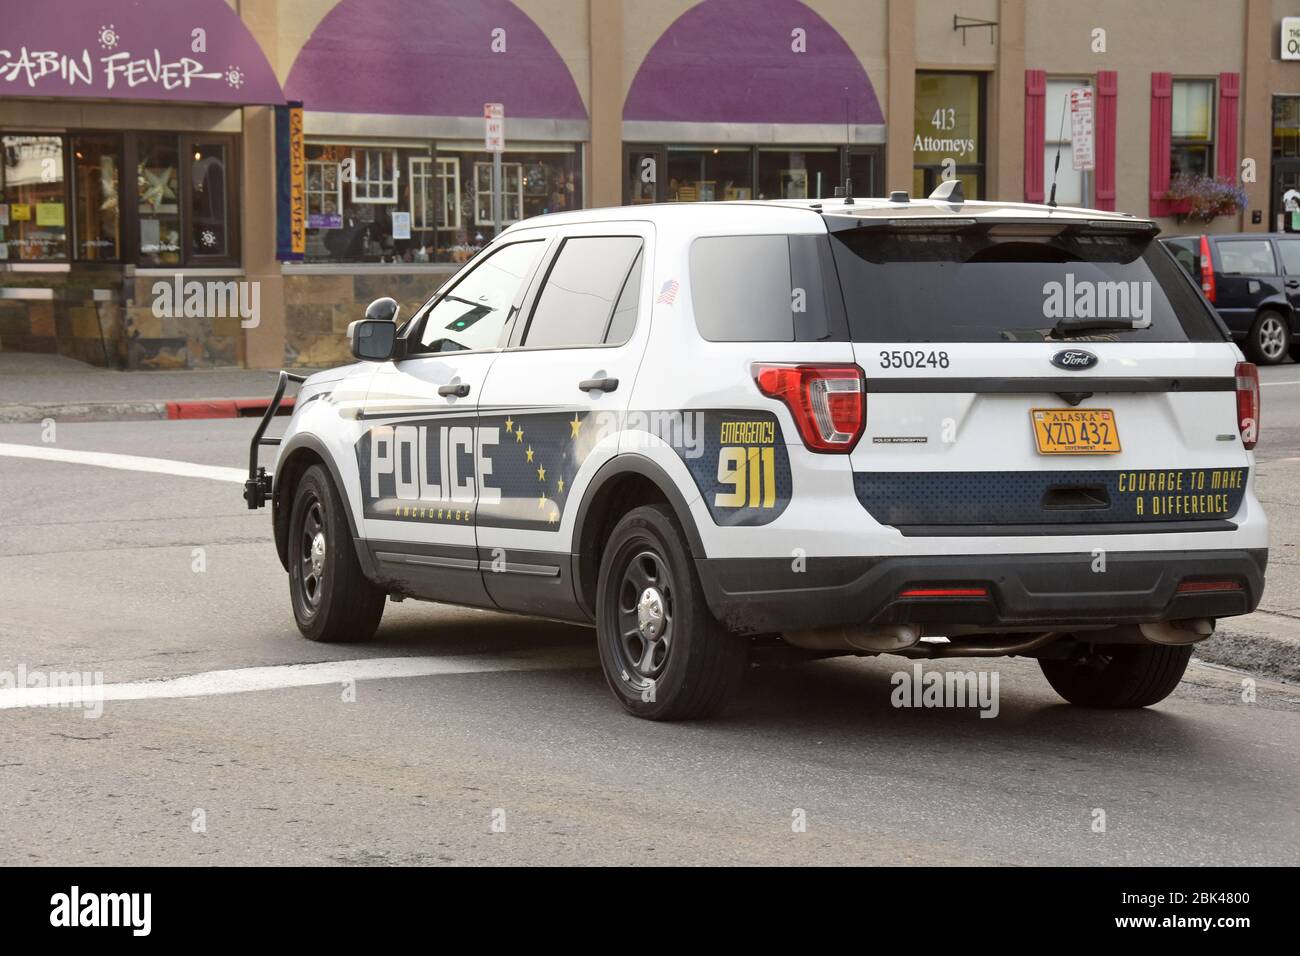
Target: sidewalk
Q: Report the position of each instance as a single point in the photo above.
(35, 387)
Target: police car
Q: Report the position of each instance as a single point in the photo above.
(927, 427)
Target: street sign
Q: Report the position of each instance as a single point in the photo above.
(1081, 127)
(494, 127)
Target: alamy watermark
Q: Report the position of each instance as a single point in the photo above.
(208, 299)
(37, 688)
(944, 689)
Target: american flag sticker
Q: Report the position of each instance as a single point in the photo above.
(668, 292)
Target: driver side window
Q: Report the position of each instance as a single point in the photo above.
(473, 312)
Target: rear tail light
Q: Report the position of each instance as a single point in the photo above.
(828, 402)
(943, 592)
(1192, 587)
(1248, 403)
(1207, 269)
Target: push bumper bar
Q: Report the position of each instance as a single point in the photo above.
(257, 489)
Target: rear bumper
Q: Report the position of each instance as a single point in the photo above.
(1024, 590)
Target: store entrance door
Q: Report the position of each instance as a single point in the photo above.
(1284, 194)
(865, 165)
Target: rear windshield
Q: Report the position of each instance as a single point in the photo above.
(995, 283)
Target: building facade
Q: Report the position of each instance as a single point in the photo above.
(141, 155)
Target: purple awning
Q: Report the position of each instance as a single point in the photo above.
(433, 58)
(194, 52)
(735, 61)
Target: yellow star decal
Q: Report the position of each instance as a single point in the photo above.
(541, 473)
(541, 502)
(519, 435)
(529, 452)
(560, 484)
(555, 515)
(510, 424)
(574, 426)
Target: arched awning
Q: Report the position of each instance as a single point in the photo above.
(434, 58)
(196, 52)
(729, 69)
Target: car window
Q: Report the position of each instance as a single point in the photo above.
(1290, 250)
(623, 321)
(581, 289)
(472, 313)
(1250, 257)
(740, 286)
(996, 283)
(1187, 255)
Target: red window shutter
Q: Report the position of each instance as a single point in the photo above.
(1229, 97)
(1162, 118)
(1107, 89)
(1035, 119)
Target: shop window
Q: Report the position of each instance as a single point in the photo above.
(710, 173)
(158, 187)
(1072, 185)
(324, 194)
(33, 214)
(1192, 130)
(948, 136)
(427, 206)
(374, 175)
(798, 173)
(209, 210)
(96, 201)
(512, 193)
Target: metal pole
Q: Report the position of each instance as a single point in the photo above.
(496, 192)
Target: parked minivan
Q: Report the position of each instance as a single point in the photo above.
(1253, 280)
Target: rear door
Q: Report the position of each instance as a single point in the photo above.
(984, 419)
(1289, 253)
(551, 407)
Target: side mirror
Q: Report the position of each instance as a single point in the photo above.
(372, 339)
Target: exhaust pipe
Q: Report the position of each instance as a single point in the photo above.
(888, 639)
(1178, 632)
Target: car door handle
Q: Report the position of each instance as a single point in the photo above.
(459, 389)
(598, 384)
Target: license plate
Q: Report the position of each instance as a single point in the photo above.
(1075, 431)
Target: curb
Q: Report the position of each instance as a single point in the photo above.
(1275, 656)
(140, 410)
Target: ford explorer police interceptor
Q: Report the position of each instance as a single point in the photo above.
(926, 427)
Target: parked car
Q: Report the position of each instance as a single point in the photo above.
(925, 427)
(1253, 280)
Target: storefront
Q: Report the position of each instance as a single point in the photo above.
(949, 132)
(120, 165)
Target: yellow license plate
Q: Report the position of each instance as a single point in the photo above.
(1075, 431)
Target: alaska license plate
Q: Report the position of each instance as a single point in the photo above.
(1075, 431)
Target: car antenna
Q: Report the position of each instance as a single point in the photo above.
(1056, 166)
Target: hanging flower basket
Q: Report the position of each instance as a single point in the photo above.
(1203, 198)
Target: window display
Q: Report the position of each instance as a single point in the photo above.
(96, 177)
(948, 131)
(441, 208)
(33, 215)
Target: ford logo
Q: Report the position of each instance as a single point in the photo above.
(1074, 360)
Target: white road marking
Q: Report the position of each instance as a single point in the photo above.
(102, 459)
(1267, 384)
(279, 676)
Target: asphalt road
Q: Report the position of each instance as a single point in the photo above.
(525, 757)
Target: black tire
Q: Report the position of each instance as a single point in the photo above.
(1269, 341)
(332, 601)
(1119, 675)
(691, 666)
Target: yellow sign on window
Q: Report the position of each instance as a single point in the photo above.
(49, 214)
(20, 212)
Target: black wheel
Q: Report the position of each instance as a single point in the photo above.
(1269, 341)
(664, 655)
(1119, 675)
(332, 600)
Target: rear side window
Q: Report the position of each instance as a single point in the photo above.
(1247, 257)
(1290, 249)
(1008, 283)
(1186, 253)
(765, 289)
(577, 303)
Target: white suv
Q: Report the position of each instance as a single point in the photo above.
(932, 428)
